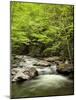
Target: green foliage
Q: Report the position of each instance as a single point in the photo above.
(42, 29)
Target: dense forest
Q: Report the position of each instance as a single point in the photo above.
(42, 30)
(42, 37)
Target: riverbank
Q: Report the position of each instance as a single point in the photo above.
(38, 77)
(26, 67)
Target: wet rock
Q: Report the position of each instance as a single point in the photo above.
(21, 74)
(33, 72)
(42, 63)
(65, 69)
(18, 61)
(58, 62)
(52, 59)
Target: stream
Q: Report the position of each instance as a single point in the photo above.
(47, 83)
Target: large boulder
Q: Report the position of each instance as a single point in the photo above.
(20, 77)
(21, 74)
(65, 69)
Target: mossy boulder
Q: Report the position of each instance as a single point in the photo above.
(65, 69)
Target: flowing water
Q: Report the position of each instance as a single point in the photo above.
(48, 83)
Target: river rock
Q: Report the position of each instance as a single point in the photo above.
(52, 59)
(65, 69)
(21, 74)
(33, 72)
(20, 77)
(57, 62)
(42, 63)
